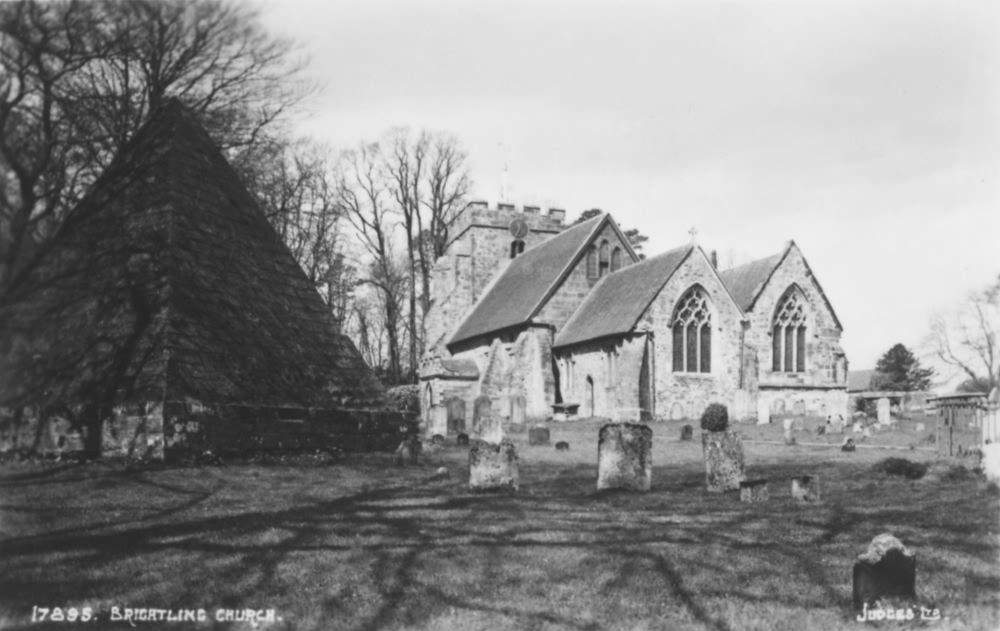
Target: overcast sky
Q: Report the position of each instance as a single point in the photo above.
(868, 131)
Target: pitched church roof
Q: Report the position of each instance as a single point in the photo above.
(517, 293)
(167, 282)
(619, 299)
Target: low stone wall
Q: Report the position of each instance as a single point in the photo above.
(174, 430)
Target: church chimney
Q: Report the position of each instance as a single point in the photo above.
(715, 260)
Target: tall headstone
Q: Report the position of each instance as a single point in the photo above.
(886, 569)
(493, 467)
(625, 457)
(883, 412)
(437, 422)
(763, 411)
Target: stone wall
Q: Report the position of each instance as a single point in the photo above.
(175, 429)
(686, 395)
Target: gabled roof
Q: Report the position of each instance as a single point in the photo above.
(746, 282)
(520, 291)
(167, 282)
(619, 299)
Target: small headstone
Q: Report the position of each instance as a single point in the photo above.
(848, 444)
(921, 427)
(676, 412)
(493, 467)
(462, 440)
(625, 457)
(805, 488)
(438, 440)
(538, 435)
(687, 432)
(883, 411)
(887, 568)
(562, 445)
(753, 491)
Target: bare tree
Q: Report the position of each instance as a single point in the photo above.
(78, 78)
(967, 339)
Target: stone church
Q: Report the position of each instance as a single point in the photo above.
(523, 305)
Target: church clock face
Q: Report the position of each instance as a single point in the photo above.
(519, 228)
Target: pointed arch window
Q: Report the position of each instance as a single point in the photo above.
(605, 258)
(616, 259)
(692, 333)
(788, 335)
(592, 262)
(516, 247)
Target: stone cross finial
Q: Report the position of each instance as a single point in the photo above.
(694, 233)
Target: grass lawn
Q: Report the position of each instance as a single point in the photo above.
(363, 544)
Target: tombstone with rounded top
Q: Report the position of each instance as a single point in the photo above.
(886, 569)
(848, 444)
(883, 411)
(625, 457)
(687, 432)
(462, 440)
(493, 466)
(753, 491)
(437, 422)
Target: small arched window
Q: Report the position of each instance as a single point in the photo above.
(605, 258)
(692, 333)
(616, 259)
(516, 247)
(788, 335)
(591, 262)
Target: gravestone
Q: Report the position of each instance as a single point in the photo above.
(763, 412)
(848, 444)
(676, 412)
(517, 412)
(456, 414)
(724, 467)
(462, 440)
(805, 488)
(921, 427)
(562, 445)
(437, 439)
(625, 457)
(493, 467)
(483, 405)
(753, 491)
(408, 452)
(886, 569)
(790, 437)
(883, 411)
(538, 435)
(490, 429)
(687, 432)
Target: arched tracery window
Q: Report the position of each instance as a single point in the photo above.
(605, 258)
(692, 333)
(616, 259)
(789, 334)
(592, 262)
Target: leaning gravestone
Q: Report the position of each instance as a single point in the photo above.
(493, 467)
(517, 412)
(805, 488)
(687, 432)
(625, 457)
(481, 407)
(887, 568)
(753, 491)
(538, 435)
(883, 412)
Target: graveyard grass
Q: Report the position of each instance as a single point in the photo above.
(363, 544)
